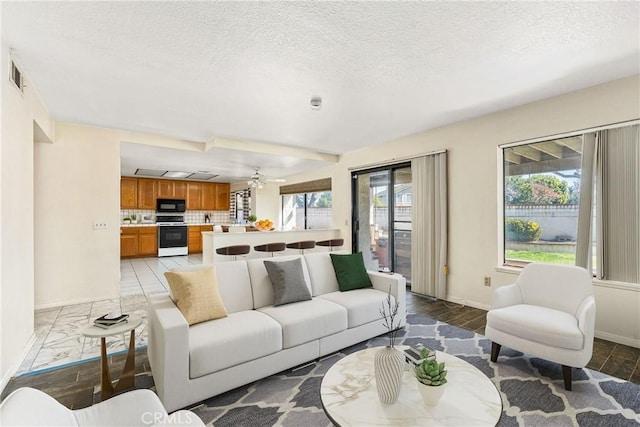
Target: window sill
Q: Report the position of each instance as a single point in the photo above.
(634, 287)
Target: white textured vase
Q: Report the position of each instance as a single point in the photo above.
(388, 368)
(430, 394)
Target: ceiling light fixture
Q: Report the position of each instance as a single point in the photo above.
(257, 180)
(316, 103)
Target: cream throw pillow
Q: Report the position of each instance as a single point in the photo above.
(196, 294)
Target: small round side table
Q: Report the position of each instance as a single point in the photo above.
(127, 378)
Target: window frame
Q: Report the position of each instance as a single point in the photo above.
(282, 196)
(517, 266)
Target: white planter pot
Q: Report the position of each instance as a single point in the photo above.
(388, 367)
(430, 394)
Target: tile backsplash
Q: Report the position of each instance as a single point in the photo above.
(190, 217)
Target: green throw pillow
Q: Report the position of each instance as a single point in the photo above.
(350, 271)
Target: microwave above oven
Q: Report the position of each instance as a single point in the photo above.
(170, 205)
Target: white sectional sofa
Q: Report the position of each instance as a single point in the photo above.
(256, 339)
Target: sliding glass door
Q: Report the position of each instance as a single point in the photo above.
(381, 221)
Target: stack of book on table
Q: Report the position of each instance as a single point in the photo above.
(110, 320)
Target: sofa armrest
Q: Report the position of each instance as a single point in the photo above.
(586, 315)
(505, 296)
(398, 285)
(168, 348)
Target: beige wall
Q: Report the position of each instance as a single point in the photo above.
(473, 189)
(77, 182)
(19, 113)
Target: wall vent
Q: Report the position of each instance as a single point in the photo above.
(15, 75)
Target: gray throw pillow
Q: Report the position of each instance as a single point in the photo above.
(288, 282)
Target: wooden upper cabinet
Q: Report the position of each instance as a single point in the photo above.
(194, 196)
(168, 189)
(223, 192)
(208, 196)
(128, 193)
(147, 191)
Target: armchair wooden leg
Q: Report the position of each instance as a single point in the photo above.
(566, 374)
(495, 350)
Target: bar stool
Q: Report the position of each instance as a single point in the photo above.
(331, 243)
(302, 245)
(234, 251)
(270, 247)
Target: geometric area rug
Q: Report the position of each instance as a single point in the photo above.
(531, 389)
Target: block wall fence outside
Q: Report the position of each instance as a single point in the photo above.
(558, 222)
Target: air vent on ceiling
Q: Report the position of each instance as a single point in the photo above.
(15, 75)
(150, 172)
(202, 176)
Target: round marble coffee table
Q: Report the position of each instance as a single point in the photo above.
(349, 396)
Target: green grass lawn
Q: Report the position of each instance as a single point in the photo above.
(549, 257)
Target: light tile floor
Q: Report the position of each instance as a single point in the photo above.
(58, 337)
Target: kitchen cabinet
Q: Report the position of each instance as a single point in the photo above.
(223, 192)
(168, 189)
(208, 202)
(128, 193)
(147, 241)
(195, 239)
(147, 191)
(138, 241)
(128, 242)
(194, 196)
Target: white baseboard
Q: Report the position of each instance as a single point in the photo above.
(77, 301)
(618, 339)
(14, 368)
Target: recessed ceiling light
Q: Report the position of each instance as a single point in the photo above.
(177, 174)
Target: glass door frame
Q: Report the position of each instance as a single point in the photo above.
(355, 222)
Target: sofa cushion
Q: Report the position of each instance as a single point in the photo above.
(363, 305)
(288, 282)
(261, 284)
(307, 320)
(235, 339)
(350, 271)
(196, 294)
(321, 273)
(540, 324)
(233, 283)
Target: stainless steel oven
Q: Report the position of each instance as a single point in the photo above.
(173, 236)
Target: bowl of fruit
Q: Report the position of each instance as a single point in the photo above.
(264, 225)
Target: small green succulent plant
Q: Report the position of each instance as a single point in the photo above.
(429, 371)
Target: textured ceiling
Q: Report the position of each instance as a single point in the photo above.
(247, 70)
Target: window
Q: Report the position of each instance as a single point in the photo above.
(541, 193)
(307, 205)
(305, 211)
(575, 200)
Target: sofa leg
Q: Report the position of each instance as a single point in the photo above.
(566, 374)
(495, 350)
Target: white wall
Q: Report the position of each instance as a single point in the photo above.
(19, 113)
(473, 189)
(77, 182)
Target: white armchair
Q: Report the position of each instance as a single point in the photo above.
(27, 406)
(549, 313)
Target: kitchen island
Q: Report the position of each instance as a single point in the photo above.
(213, 240)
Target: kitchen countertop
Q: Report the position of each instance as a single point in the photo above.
(153, 224)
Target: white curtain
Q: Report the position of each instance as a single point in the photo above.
(618, 204)
(429, 222)
(611, 167)
(584, 240)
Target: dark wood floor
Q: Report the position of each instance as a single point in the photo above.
(74, 386)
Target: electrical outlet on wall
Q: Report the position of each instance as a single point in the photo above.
(487, 281)
(100, 225)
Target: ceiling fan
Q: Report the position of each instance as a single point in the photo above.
(257, 180)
